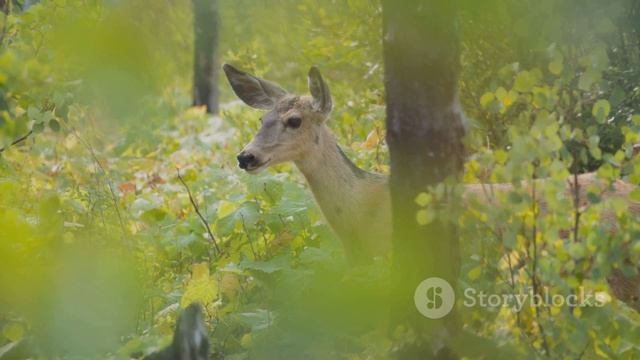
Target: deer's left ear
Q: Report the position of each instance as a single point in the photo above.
(319, 91)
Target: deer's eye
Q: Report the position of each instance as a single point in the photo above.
(294, 122)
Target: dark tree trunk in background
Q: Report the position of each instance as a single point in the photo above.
(205, 66)
(424, 133)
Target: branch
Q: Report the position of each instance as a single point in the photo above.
(17, 141)
(197, 209)
(534, 278)
(5, 9)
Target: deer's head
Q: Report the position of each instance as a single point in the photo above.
(290, 124)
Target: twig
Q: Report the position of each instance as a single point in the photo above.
(576, 206)
(513, 287)
(114, 197)
(244, 227)
(17, 141)
(197, 209)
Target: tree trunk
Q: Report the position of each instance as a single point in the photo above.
(205, 68)
(424, 133)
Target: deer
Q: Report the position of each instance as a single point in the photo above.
(355, 202)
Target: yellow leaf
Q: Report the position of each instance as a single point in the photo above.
(577, 312)
(70, 142)
(201, 288)
(474, 273)
(200, 270)
(510, 98)
(225, 208)
(500, 156)
(196, 111)
(372, 140)
(246, 341)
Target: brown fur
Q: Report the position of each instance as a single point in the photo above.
(619, 189)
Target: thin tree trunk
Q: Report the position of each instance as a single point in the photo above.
(424, 133)
(205, 68)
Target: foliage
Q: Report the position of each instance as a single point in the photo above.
(95, 224)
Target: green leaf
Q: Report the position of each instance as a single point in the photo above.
(636, 248)
(38, 127)
(425, 216)
(524, 82)
(423, 199)
(556, 66)
(486, 99)
(601, 110)
(276, 264)
(54, 125)
(577, 250)
(13, 331)
(587, 79)
(501, 93)
(258, 320)
(245, 215)
(593, 197)
(515, 197)
(34, 113)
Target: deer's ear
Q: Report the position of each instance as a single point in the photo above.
(254, 91)
(319, 91)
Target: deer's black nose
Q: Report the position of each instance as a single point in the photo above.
(245, 159)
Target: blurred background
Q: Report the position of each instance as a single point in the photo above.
(103, 103)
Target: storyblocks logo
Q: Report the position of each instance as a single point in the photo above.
(434, 298)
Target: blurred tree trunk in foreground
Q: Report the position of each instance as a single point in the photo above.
(205, 66)
(424, 133)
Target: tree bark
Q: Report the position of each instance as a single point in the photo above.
(424, 134)
(205, 68)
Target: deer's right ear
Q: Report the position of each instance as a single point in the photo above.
(254, 91)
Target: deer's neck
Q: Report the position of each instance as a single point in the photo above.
(354, 202)
(326, 168)
(335, 181)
